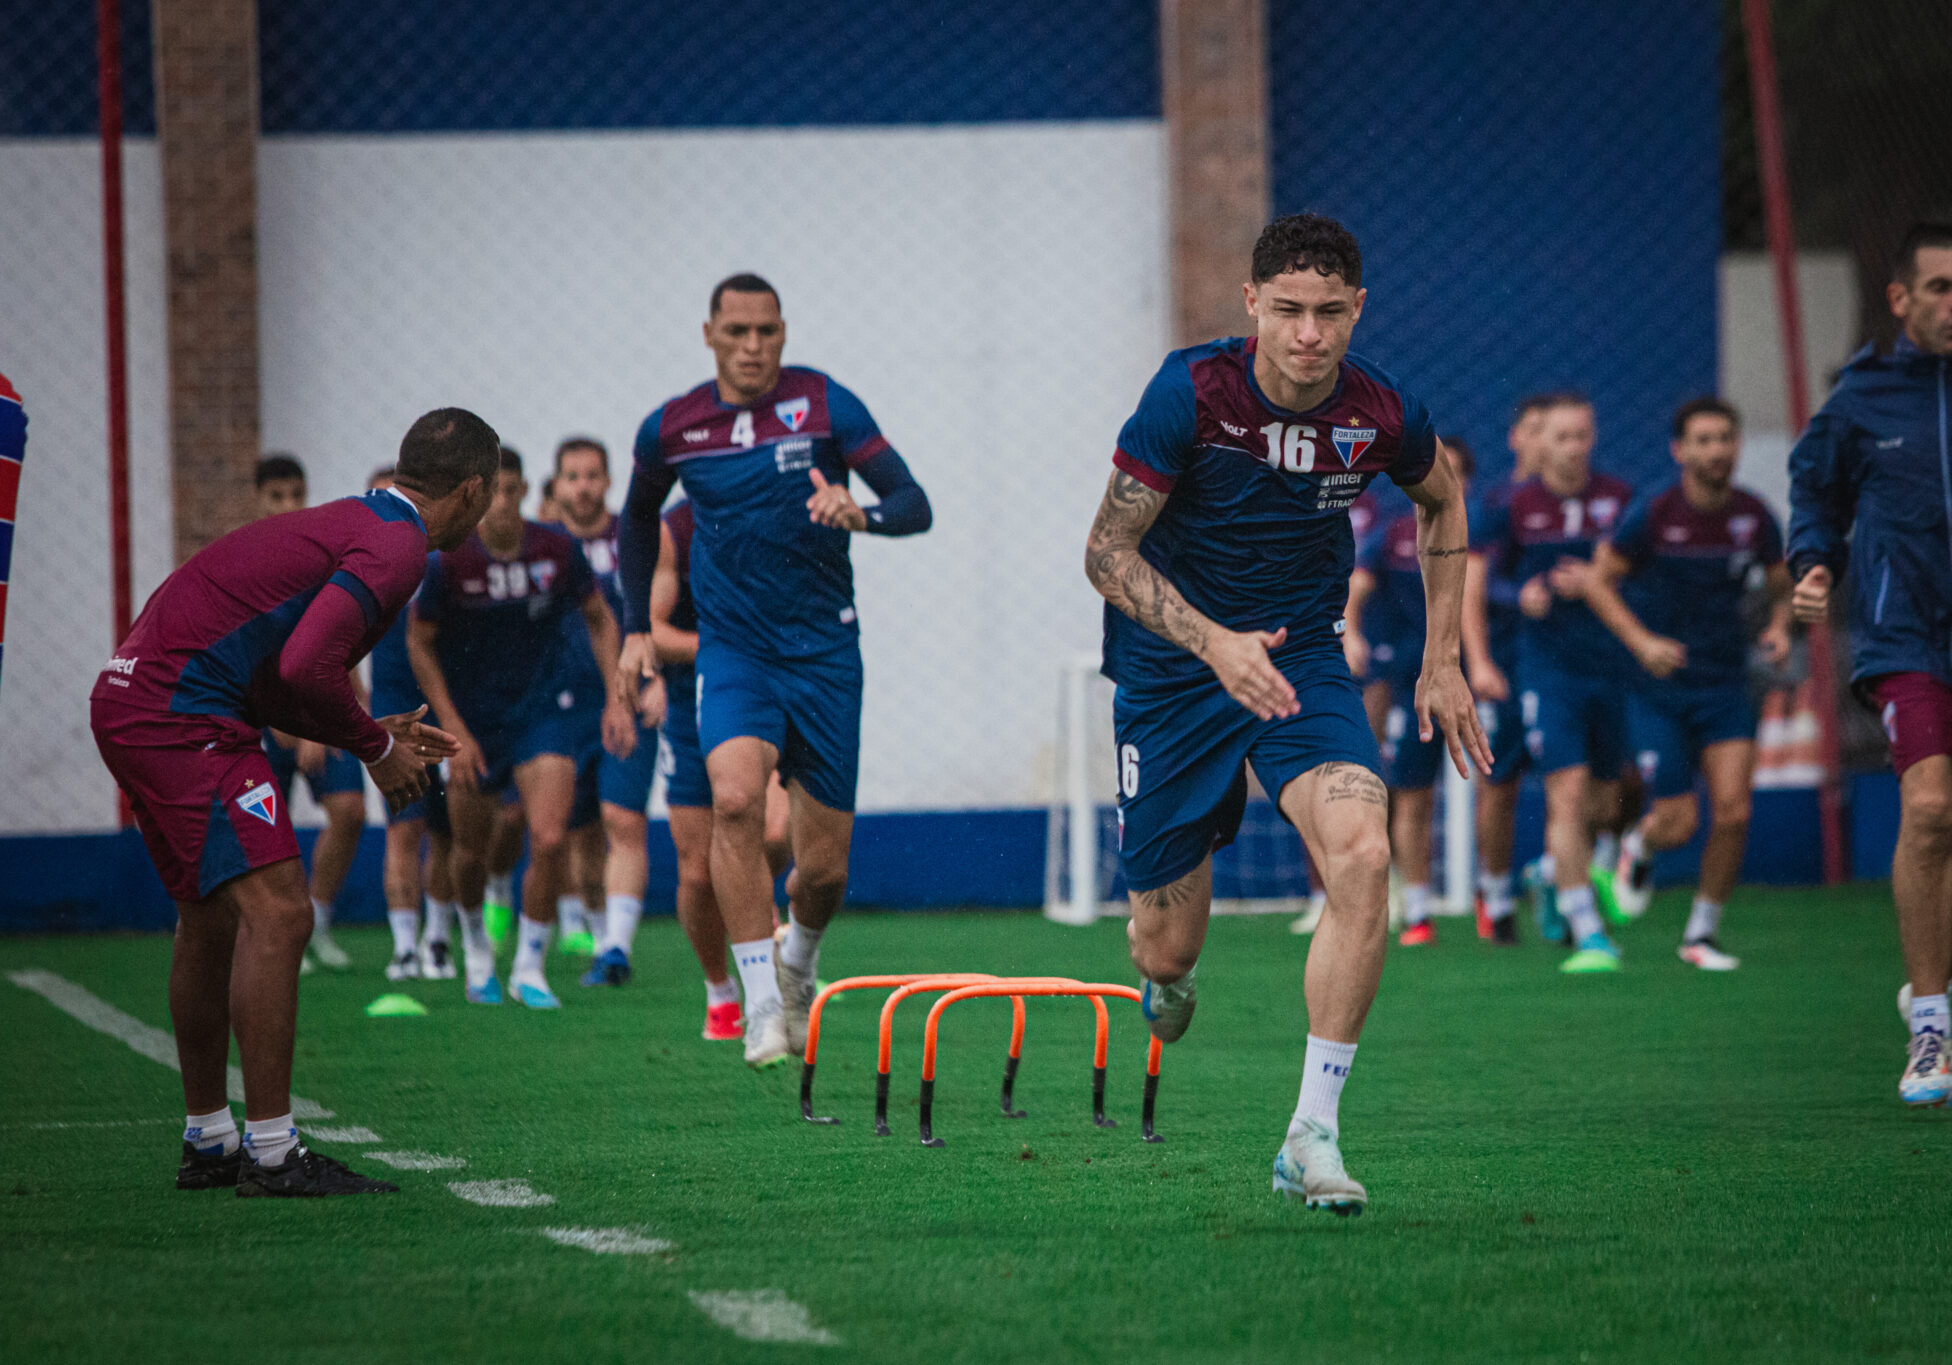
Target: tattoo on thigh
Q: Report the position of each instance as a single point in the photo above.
(1352, 782)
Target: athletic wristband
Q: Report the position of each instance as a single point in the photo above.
(384, 752)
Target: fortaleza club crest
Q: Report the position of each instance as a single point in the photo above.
(793, 412)
(261, 801)
(1350, 442)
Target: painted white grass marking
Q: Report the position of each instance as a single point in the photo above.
(762, 1315)
(417, 1161)
(349, 1133)
(152, 1043)
(608, 1241)
(93, 1123)
(500, 1194)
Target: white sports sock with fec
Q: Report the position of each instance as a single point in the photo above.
(572, 915)
(321, 916)
(755, 963)
(1323, 1071)
(1576, 904)
(1930, 1014)
(531, 942)
(800, 950)
(406, 929)
(1416, 904)
(620, 916)
(474, 933)
(1495, 887)
(724, 992)
(440, 917)
(501, 888)
(1704, 921)
(267, 1140)
(215, 1132)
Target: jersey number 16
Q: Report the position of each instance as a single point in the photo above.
(1291, 448)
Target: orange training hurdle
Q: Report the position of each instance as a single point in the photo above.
(905, 985)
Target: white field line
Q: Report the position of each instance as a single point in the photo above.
(418, 1161)
(152, 1043)
(500, 1194)
(349, 1133)
(91, 1123)
(608, 1241)
(762, 1315)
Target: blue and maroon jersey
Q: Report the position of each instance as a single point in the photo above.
(502, 640)
(1393, 617)
(768, 580)
(1528, 534)
(212, 640)
(1690, 571)
(13, 450)
(1255, 529)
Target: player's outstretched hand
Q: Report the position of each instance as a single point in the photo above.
(1811, 601)
(619, 728)
(1535, 598)
(401, 775)
(832, 505)
(1661, 656)
(1239, 659)
(1488, 681)
(636, 666)
(1444, 701)
(651, 700)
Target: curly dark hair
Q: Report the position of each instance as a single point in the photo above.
(1307, 241)
(1703, 407)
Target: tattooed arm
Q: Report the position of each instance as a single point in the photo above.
(1122, 577)
(1443, 697)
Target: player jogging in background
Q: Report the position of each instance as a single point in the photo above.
(1491, 664)
(1385, 628)
(765, 452)
(1871, 489)
(487, 645)
(1538, 547)
(1670, 582)
(1223, 552)
(336, 779)
(13, 454)
(260, 627)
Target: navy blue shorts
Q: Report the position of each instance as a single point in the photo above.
(571, 731)
(809, 709)
(1504, 731)
(678, 756)
(1181, 755)
(1671, 725)
(626, 782)
(343, 772)
(1408, 763)
(1573, 719)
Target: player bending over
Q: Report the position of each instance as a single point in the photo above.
(486, 645)
(1222, 549)
(1538, 548)
(765, 453)
(1669, 582)
(259, 628)
(1871, 481)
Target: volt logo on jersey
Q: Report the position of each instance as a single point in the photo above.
(261, 802)
(793, 412)
(1351, 442)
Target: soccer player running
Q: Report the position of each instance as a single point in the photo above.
(336, 780)
(1385, 626)
(487, 646)
(1871, 481)
(1223, 552)
(1538, 546)
(260, 627)
(1670, 582)
(1491, 662)
(765, 452)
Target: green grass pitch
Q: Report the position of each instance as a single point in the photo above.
(1662, 1165)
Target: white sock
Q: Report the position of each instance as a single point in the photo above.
(474, 933)
(531, 941)
(501, 888)
(1495, 887)
(1930, 1014)
(801, 949)
(440, 915)
(572, 915)
(1606, 849)
(321, 917)
(620, 916)
(1416, 904)
(212, 1132)
(1548, 868)
(1704, 921)
(1576, 904)
(268, 1140)
(755, 961)
(1323, 1071)
(406, 928)
(1634, 847)
(721, 992)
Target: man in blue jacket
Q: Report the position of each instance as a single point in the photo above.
(1876, 466)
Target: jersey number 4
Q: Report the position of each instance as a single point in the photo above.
(1290, 447)
(742, 434)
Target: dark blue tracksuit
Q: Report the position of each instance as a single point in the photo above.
(1876, 465)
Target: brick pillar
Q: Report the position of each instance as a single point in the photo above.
(1213, 60)
(207, 124)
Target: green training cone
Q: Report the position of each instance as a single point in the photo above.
(390, 1005)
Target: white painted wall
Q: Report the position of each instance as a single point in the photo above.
(996, 294)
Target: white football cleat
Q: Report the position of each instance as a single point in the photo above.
(796, 992)
(329, 954)
(1633, 885)
(766, 1041)
(1707, 954)
(1309, 1167)
(404, 967)
(1928, 1074)
(436, 960)
(532, 989)
(1168, 1007)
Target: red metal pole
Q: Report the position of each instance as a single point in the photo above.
(108, 54)
(1781, 232)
